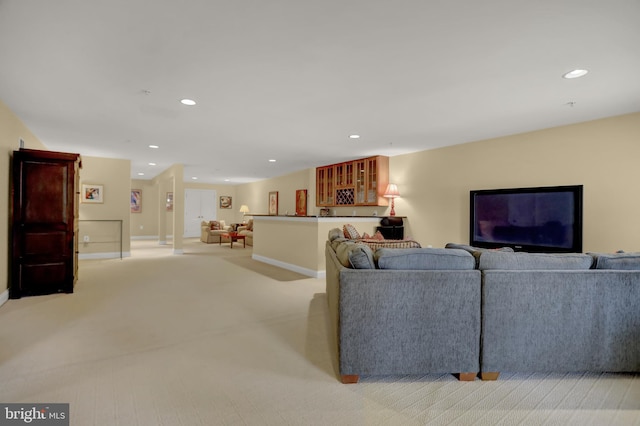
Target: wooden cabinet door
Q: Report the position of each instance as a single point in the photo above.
(344, 175)
(43, 223)
(325, 186)
(372, 177)
(360, 167)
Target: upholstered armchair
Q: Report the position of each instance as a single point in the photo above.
(212, 231)
(247, 231)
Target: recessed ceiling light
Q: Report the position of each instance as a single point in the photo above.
(575, 74)
(354, 136)
(194, 178)
(140, 174)
(154, 146)
(189, 102)
(152, 164)
(227, 180)
(272, 160)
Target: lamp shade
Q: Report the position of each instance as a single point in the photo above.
(244, 208)
(392, 191)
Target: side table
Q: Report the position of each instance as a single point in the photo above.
(234, 236)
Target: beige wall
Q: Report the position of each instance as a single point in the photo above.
(602, 155)
(114, 174)
(256, 194)
(11, 131)
(231, 215)
(145, 224)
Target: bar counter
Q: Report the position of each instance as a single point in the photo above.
(297, 243)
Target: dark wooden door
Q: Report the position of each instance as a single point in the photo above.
(43, 221)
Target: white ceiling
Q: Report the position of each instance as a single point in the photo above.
(292, 79)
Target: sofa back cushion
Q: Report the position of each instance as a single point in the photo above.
(628, 261)
(534, 261)
(423, 258)
(476, 251)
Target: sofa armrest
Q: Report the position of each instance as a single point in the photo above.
(242, 228)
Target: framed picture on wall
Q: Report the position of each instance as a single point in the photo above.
(169, 201)
(273, 203)
(225, 202)
(136, 200)
(301, 202)
(92, 193)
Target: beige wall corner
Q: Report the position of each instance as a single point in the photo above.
(12, 130)
(100, 222)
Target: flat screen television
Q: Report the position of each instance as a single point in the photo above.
(543, 220)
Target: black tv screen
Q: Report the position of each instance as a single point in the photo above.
(544, 219)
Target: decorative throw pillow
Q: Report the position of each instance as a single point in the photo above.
(250, 225)
(378, 236)
(335, 233)
(215, 225)
(354, 255)
(361, 257)
(350, 232)
(366, 236)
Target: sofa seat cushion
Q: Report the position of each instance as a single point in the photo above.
(424, 259)
(354, 255)
(626, 261)
(534, 261)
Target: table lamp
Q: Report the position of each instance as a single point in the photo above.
(393, 193)
(244, 209)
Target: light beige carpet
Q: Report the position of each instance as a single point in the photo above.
(213, 337)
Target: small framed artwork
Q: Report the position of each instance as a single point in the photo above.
(273, 203)
(301, 202)
(169, 201)
(324, 212)
(92, 193)
(225, 202)
(136, 200)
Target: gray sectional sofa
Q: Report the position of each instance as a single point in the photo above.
(466, 310)
(556, 313)
(398, 320)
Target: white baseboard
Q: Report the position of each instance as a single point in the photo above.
(112, 255)
(4, 296)
(289, 266)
